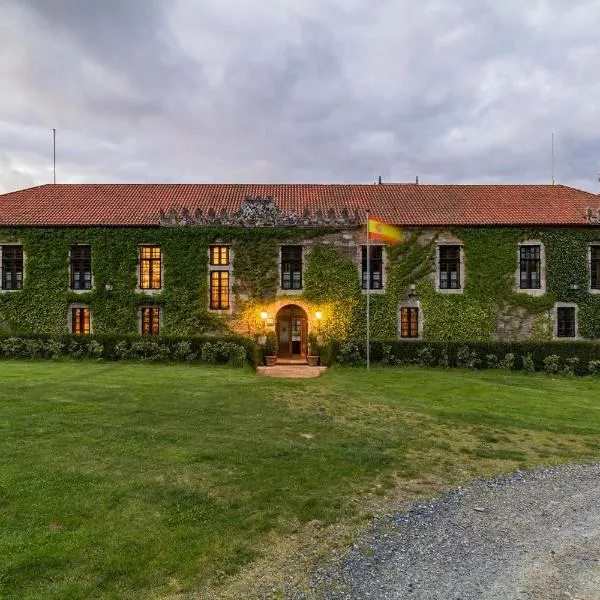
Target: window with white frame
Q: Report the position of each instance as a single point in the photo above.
(81, 268)
(595, 267)
(530, 267)
(12, 267)
(565, 321)
(449, 272)
(375, 271)
(291, 267)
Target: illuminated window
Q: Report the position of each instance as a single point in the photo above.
(12, 267)
(80, 321)
(81, 268)
(219, 256)
(150, 267)
(409, 322)
(219, 290)
(150, 320)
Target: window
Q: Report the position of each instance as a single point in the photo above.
(449, 267)
(12, 267)
(219, 290)
(375, 267)
(150, 267)
(219, 256)
(80, 321)
(291, 267)
(81, 268)
(565, 322)
(150, 320)
(595, 267)
(530, 268)
(409, 322)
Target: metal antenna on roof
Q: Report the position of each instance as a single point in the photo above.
(54, 154)
(553, 158)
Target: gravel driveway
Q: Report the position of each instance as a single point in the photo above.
(533, 535)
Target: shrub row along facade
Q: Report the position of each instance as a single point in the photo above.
(476, 262)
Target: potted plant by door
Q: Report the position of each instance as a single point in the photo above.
(270, 349)
(313, 350)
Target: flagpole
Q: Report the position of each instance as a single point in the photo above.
(368, 293)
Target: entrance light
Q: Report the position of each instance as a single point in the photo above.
(264, 315)
(319, 315)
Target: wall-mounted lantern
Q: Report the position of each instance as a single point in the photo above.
(318, 315)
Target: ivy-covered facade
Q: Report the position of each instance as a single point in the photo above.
(185, 278)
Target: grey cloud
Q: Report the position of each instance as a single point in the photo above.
(312, 90)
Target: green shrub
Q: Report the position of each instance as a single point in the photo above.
(508, 362)
(313, 344)
(570, 366)
(425, 357)
(270, 347)
(528, 364)
(161, 348)
(349, 354)
(221, 352)
(467, 358)
(552, 364)
(530, 355)
(182, 351)
(491, 361)
(594, 367)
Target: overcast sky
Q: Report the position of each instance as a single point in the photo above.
(324, 91)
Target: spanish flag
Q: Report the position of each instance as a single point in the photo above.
(378, 230)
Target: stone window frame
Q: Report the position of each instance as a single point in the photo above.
(229, 269)
(450, 241)
(160, 318)
(555, 308)
(92, 271)
(591, 290)
(18, 243)
(146, 291)
(410, 303)
(542, 289)
(73, 305)
(280, 290)
(383, 268)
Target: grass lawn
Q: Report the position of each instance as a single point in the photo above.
(152, 481)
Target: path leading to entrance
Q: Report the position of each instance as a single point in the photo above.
(291, 371)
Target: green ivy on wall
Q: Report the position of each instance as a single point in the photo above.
(41, 306)
(331, 280)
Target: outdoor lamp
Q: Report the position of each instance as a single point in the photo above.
(319, 315)
(264, 315)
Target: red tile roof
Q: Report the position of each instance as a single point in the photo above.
(403, 204)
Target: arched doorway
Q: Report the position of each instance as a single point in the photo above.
(292, 329)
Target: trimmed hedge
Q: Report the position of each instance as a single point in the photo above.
(573, 357)
(223, 349)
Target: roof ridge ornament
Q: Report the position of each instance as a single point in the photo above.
(259, 211)
(592, 219)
